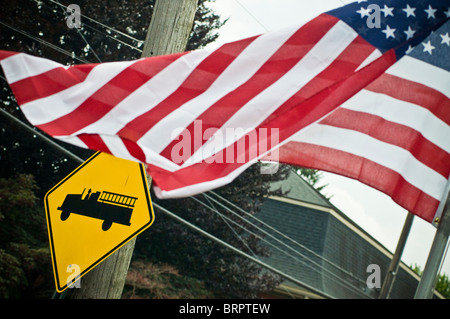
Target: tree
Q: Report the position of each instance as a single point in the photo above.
(25, 263)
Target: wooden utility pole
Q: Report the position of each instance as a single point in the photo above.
(169, 31)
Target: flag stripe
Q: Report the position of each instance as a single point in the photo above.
(102, 101)
(20, 66)
(50, 82)
(366, 171)
(240, 70)
(392, 133)
(415, 93)
(68, 100)
(149, 94)
(384, 154)
(416, 70)
(401, 112)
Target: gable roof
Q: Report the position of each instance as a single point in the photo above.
(324, 248)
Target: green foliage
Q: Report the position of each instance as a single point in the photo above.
(313, 177)
(25, 263)
(146, 280)
(442, 284)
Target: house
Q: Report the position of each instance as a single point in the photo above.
(329, 253)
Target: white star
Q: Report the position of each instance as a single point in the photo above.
(409, 33)
(387, 11)
(447, 13)
(389, 32)
(364, 12)
(409, 11)
(428, 47)
(445, 39)
(410, 48)
(430, 11)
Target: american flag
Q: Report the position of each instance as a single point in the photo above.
(333, 93)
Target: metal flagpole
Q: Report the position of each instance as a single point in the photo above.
(435, 257)
(396, 258)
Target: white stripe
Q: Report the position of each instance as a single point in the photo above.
(74, 140)
(246, 64)
(388, 155)
(117, 148)
(422, 72)
(158, 160)
(146, 97)
(372, 57)
(21, 66)
(50, 108)
(195, 189)
(259, 108)
(414, 116)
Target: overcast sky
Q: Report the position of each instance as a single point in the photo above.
(371, 209)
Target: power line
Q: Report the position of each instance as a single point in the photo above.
(283, 235)
(86, 25)
(99, 23)
(325, 271)
(55, 47)
(251, 14)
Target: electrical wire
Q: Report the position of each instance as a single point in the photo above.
(86, 25)
(325, 272)
(50, 45)
(99, 23)
(284, 235)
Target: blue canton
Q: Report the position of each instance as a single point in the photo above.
(403, 24)
(436, 48)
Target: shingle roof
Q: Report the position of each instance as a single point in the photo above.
(327, 251)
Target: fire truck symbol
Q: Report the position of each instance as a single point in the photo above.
(106, 206)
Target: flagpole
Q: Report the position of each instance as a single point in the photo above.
(388, 282)
(435, 257)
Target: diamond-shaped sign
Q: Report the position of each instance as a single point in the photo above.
(93, 212)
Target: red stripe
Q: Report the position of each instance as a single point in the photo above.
(395, 134)
(413, 92)
(363, 170)
(195, 84)
(343, 67)
(134, 150)
(108, 96)
(94, 142)
(6, 54)
(48, 83)
(286, 57)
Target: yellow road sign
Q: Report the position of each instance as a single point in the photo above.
(94, 211)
